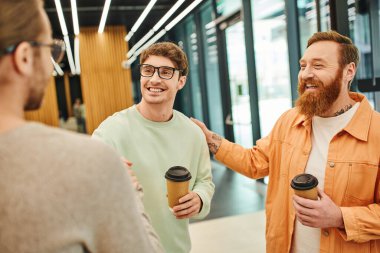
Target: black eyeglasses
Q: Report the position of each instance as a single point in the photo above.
(164, 72)
(57, 48)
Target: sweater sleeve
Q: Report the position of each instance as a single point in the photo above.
(121, 223)
(101, 134)
(204, 186)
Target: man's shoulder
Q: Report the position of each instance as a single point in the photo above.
(70, 143)
(118, 118)
(187, 124)
(291, 116)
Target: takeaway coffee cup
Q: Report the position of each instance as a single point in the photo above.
(177, 184)
(305, 185)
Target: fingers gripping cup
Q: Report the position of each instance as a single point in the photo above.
(305, 185)
(177, 183)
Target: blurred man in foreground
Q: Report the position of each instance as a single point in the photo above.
(60, 192)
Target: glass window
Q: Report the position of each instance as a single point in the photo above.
(238, 79)
(307, 18)
(324, 8)
(225, 7)
(193, 58)
(272, 63)
(359, 23)
(183, 101)
(212, 70)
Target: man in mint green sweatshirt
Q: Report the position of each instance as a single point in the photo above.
(154, 137)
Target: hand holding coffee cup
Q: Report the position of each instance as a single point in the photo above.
(177, 183)
(305, 186)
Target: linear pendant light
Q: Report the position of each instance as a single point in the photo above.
(74, 13)
(65, 35)
(139, 21)
(163, 31)
(155, 28)
(104, 16)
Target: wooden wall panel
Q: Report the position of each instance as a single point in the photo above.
(48, 112)
(106, 86)
(69, 103)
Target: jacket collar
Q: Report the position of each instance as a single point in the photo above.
(359, 124)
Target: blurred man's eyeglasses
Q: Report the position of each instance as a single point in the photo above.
(164, 72)
(57, 48)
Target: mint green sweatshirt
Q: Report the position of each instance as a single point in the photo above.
(154, 147)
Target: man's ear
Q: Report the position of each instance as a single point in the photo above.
(350, 71)
(181, 82)
(23, 58)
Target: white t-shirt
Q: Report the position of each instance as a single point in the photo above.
(306, 239)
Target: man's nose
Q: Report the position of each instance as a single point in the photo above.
(155, 77)
(307, 73)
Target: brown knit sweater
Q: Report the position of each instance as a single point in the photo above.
(61, 192)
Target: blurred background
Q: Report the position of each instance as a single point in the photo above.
(243, 57)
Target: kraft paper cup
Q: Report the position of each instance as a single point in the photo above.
(177, 184)
(305, 186)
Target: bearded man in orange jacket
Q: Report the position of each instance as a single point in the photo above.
(333, 134)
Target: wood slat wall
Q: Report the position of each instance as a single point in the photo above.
(48, 112)
(106, 86)
(69, 103)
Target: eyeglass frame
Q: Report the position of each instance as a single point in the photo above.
(56, 42)
(157, 69)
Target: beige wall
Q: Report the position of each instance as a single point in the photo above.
(48, 113)
(106, 86)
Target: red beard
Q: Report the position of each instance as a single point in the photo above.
(318, 102)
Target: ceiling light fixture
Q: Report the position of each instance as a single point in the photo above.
(140, 43)
(74, 12)
(143, 15)
(155, 28)
(61, 18)
(69, 54)
(168, 15)
(104, 16)
(182, 15)
(146, 45)
(62, 22)
(134, 52)
(76, 55)
(57, 68)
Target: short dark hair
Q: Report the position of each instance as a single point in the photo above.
(348, 51)
(169, 50)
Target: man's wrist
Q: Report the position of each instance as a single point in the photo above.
(214, 142)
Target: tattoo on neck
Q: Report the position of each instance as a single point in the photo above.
(343, 110)
(214, 144)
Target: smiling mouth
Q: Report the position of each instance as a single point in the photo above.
(155, 90)
(311, 87)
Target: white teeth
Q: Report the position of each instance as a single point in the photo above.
(155, 90)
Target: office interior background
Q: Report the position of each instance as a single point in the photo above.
(243, 57)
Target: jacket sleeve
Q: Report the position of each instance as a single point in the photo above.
(362, 223)
(252, 162)
(203, 185)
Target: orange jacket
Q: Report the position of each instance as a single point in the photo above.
(352, 178)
